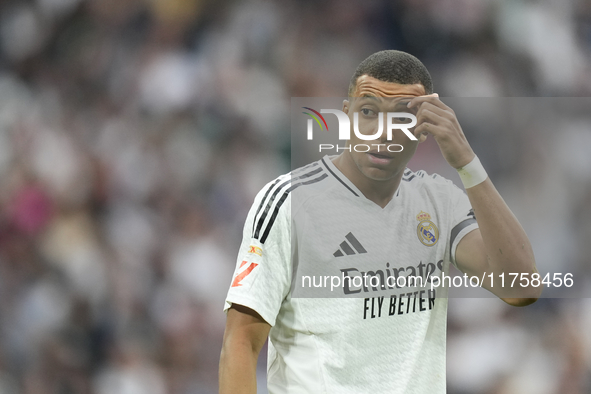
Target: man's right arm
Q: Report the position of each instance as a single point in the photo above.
(244, 337)
(261, 281)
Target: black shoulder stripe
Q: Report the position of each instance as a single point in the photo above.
(282, 200)
(410, 178)
(268, 207)
(263, 202)
(259, 226)
(339, 179)
(295, 172)
(307, 175)
(459, 227)
(304, 169)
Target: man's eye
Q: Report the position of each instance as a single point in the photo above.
(367, 112)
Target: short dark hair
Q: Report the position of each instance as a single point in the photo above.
(393, 66)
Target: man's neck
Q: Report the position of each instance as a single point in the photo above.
(380, 192)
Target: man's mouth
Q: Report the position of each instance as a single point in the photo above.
(379, 158)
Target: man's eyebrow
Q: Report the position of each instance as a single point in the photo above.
(370, 97)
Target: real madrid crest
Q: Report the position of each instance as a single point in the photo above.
(427, 231)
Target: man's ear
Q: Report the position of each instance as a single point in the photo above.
(346, 106)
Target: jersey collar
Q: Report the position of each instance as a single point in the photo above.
(340, 177)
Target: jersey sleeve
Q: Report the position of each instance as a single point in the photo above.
(463, 219)
(262, 276)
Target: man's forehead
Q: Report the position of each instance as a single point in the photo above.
(372, 87)
(396, 101)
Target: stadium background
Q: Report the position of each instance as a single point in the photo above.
(134, 135)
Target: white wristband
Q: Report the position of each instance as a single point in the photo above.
(473, 173)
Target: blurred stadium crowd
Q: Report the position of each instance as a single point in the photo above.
(134, 135)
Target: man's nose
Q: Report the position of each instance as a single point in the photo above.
(383, 137)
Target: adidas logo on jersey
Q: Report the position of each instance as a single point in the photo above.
(349, 248)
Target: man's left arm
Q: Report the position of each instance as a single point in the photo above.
(500, 245)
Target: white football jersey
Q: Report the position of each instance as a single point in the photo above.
(373, 332)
